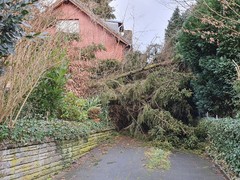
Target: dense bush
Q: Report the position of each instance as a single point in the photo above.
(47, 97)
(213, 87)
(224, 139)
(74, 108)
(79, 120)
(35, 130)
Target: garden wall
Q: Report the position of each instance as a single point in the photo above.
(42, 160)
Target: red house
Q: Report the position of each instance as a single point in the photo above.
(74, 17)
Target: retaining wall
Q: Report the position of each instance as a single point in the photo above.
(43, 160)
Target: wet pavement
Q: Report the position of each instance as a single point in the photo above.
(124, 159)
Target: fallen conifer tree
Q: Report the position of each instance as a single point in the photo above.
(155, 101)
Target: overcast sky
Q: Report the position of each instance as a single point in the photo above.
(147, 18)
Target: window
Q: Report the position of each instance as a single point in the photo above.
(68, 26)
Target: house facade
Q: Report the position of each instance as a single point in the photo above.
(74, 17)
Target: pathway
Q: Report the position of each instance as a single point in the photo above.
(125, 160)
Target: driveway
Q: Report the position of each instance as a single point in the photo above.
(124, 159)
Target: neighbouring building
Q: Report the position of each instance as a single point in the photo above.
(74, 17)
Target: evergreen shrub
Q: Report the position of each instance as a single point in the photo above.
(224, 141)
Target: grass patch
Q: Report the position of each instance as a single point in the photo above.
(158, 159)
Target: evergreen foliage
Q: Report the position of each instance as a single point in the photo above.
(101, 8)
(157, 102)
(224, 138)
(174, 24)
(209, 51)
(106, 67)
(134, 60)
(13, 14)
(47, 97)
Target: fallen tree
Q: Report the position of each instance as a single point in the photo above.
(155, 101)
(146, 68)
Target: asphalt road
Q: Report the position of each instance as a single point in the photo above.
(125, 160)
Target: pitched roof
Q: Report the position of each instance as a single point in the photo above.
(93, 17)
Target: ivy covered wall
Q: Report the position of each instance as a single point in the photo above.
(43, 160)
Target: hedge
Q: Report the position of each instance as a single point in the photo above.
(224, 141)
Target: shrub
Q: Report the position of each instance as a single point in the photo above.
(48, 95)
(73, 108)
(224, 138)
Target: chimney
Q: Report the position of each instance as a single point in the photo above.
(128, 36)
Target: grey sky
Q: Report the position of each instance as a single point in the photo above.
(147, 18)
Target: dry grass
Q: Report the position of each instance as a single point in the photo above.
(24, 68)
(158, 158)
